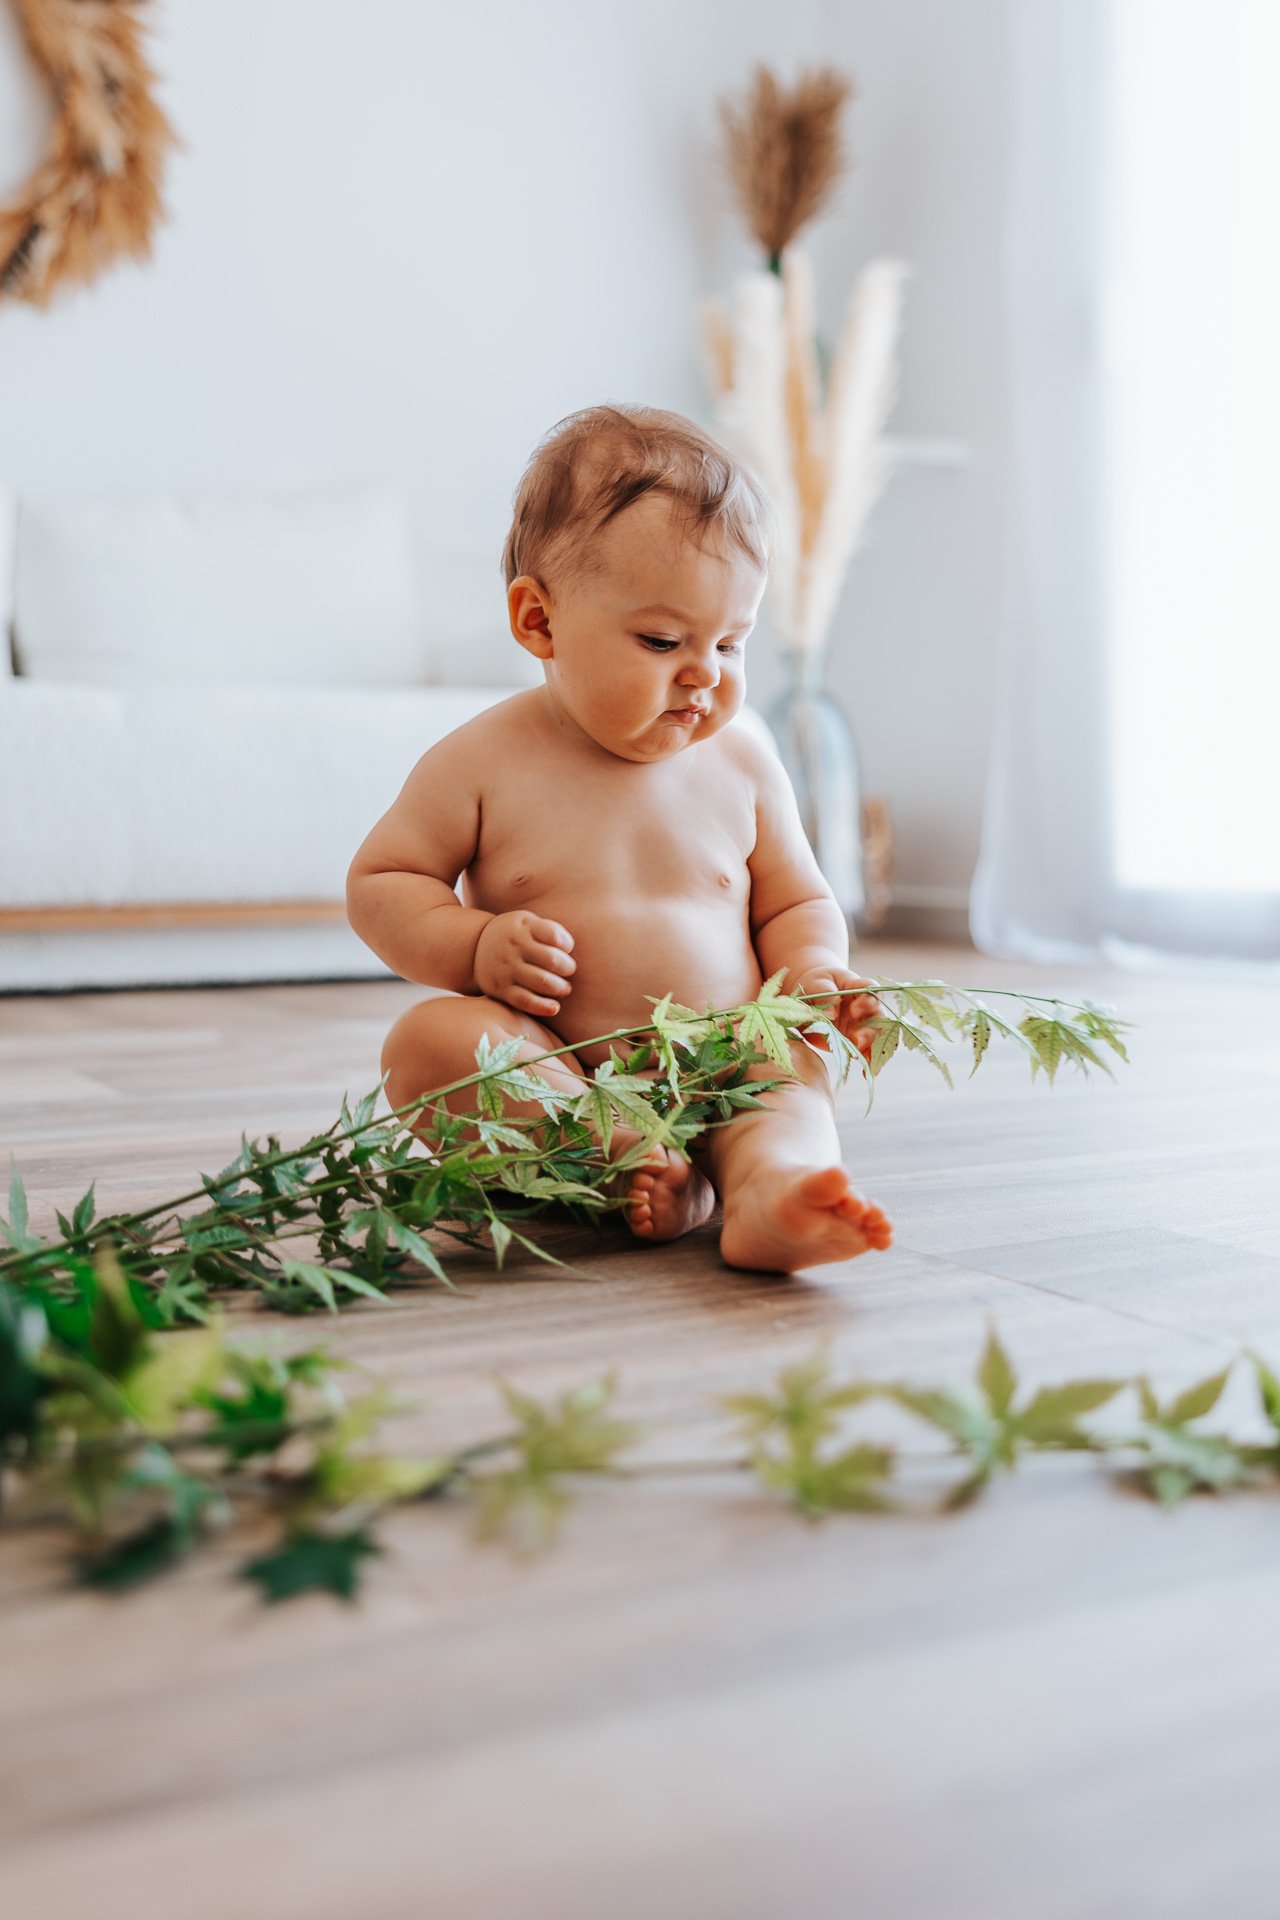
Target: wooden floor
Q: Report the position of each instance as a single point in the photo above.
(1062, 1705)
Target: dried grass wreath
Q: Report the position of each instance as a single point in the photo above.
(97, 195)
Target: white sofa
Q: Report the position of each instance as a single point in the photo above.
(163, 823)
(204, 707)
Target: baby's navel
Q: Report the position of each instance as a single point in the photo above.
(724, 879)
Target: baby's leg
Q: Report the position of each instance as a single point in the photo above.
(435, 1043)
(787, 1200)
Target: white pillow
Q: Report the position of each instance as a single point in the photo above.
(8, 514)
(312, 589)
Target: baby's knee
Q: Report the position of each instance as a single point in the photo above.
(429, 1045)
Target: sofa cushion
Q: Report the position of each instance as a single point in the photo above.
(308, 589)
(128, 795)
(132, 794)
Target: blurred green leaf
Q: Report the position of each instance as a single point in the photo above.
(311, 1563)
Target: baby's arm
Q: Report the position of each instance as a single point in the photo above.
(401, 899)
(796, 924)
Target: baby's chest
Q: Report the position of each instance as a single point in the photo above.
(618, 844)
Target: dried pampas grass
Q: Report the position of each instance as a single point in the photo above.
(784, 153)
(97, 195)
(820, 459)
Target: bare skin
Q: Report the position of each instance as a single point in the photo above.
(617, 837)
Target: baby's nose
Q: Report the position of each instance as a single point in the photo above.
(700, 673)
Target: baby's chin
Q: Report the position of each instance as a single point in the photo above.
(667, 735)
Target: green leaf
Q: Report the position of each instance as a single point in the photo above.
(848, 1482)
(1170, 1484)
(1100, 1023)
(805, 1405)
(311, 1563)
(574, 1436)
(500, 1233)
(995, 1375)
(919, 1042)
(23, 1331)
(192, 1504)
(17, 1206)
(1177, 1462)
(314, 1279)
(1045, 1039)
(886, 1033)
(1268, 1388)
(924, 1004)
(168, 1377)
(1195, 1402)
(342, 1277)
(1053, 1412)
(980, 1033)
(140, 1556)
(182, 1298)
(255, 1419)
(955, 1416)
(770, 1019)
(421, 1250)
(118, 1335)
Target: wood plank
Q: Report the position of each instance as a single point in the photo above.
(175, 913)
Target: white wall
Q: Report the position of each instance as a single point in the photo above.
(917, 632)
(405, 244)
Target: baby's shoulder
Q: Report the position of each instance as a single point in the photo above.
(488, 732)
(746, 748)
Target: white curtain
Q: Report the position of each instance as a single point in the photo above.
(1133, 806)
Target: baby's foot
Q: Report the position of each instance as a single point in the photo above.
(784, 1220)
(666, 1196)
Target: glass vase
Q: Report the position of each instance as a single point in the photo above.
(818, 752)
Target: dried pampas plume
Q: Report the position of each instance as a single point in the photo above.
(97, 194)
(784, 153)
(819, 456)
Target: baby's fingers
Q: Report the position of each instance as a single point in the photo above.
(551, 960)
(864, 1039)
(550, 933)
(525, 1002)
(549, 985)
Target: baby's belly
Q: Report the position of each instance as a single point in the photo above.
(629, 954)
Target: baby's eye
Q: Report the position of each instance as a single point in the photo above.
(731, 646)
(657, 643)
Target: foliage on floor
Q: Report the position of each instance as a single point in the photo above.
(128, 1412)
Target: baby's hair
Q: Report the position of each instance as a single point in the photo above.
(595, 463)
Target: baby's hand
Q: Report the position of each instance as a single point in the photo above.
(850, 1013)
(524, 960)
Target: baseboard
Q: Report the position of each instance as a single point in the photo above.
(927, 913)
(173, 913)
(77, 961)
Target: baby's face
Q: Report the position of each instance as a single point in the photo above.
(645, 653)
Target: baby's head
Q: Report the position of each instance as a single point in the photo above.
(636, 561)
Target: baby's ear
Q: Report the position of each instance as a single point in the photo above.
(528, 609)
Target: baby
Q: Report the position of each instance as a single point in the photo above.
(618, 836)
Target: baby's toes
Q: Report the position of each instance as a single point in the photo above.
(639, 1207)
(874, 1226)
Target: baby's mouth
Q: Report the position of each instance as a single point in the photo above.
(687, 716)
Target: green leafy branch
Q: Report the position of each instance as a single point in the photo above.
(151, 1443)
(347, 1214)
(148, 1443)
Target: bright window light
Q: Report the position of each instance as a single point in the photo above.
(1194, 453)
